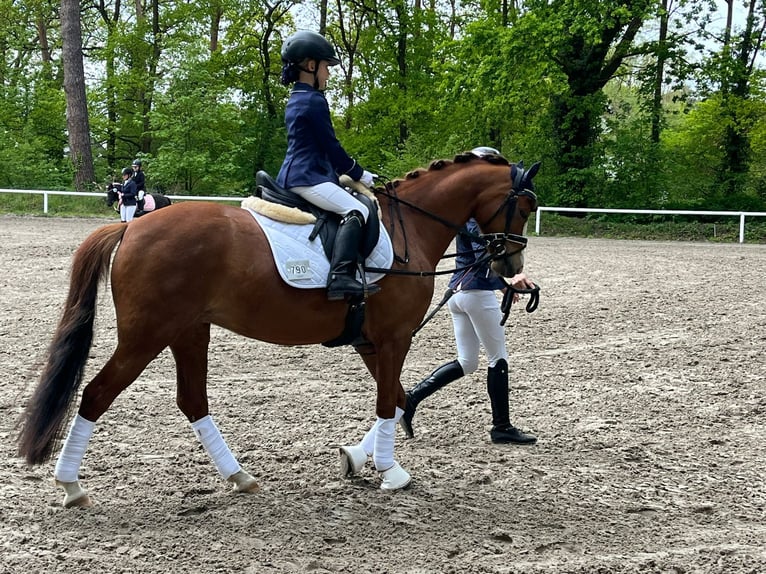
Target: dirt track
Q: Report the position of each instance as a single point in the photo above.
(642, 374)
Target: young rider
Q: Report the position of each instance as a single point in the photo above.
(315, 157)
(140, 179)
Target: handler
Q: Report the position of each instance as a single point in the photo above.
(128, 200)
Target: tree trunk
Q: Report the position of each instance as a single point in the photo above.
(658, 79)
(74, 89)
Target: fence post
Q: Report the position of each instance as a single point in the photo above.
(45, 202)
(741, 227)
(538, 217)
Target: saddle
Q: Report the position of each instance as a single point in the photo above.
(327, 222)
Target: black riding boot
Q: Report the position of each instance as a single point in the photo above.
(497, 388)
(342, 281)
(425, 388)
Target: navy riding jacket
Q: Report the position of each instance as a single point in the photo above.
(140, 179)
(314, 154)
(481, 277)
(129, 192)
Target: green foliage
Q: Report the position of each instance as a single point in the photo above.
(198, 135)
(568, 82)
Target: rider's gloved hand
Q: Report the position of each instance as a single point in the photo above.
(368, 178)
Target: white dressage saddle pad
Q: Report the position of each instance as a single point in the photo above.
(302, 263)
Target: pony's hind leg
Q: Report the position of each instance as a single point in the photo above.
(119, 372)
(190, 353)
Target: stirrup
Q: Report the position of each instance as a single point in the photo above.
(351, 289)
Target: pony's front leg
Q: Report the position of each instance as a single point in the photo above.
(379, 441)
(392, 474)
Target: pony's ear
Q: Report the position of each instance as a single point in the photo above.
(533, 170)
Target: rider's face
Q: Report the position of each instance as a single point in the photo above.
(323, 74)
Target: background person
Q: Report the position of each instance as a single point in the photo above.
(315, 157)
(140, 180)
(127, 196)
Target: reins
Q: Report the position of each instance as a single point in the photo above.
(510, 291)
(394, 209)
(491, 239)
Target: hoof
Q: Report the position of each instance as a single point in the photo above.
(352, 460)
(243, 482)
(395, 478)
(76, 496)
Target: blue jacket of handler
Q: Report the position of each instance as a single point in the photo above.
(314, 154)
(129, 192)
(469, 251)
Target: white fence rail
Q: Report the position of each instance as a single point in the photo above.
(538, 220)
(740, 214)
(45, 193)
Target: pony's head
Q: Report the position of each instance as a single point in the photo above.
(504, 222)
(112, 193)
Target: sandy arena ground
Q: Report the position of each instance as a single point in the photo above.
(642, 374)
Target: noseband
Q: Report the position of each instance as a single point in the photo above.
(496, 241)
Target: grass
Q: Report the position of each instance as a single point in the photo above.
(608, 226)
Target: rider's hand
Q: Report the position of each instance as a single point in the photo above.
(367, 178)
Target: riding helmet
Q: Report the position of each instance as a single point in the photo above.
(127, 171)
(481, 151)
(137, 162)
(307, 44)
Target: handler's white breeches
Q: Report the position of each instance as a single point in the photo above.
(476, 317)
(127, 212)
(332, 197)
(69, 461)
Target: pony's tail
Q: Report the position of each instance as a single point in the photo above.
(48, 408)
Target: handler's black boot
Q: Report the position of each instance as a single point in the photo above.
(439, 378)
(342, 281)
(497, 387)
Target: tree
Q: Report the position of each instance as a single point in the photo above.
(78, 123)
(588, 41)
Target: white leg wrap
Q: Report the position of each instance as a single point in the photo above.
(368, 442)
(68, 464)
(383, 455)
(210, 437)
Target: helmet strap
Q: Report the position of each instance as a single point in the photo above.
(314, 72)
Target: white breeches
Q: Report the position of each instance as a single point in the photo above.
(332, 198)
(127, 212)
(476, 317)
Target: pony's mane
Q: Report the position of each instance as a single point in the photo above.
(439, 164)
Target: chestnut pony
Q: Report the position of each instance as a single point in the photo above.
(210, 264)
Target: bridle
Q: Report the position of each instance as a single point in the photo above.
(496, 241)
